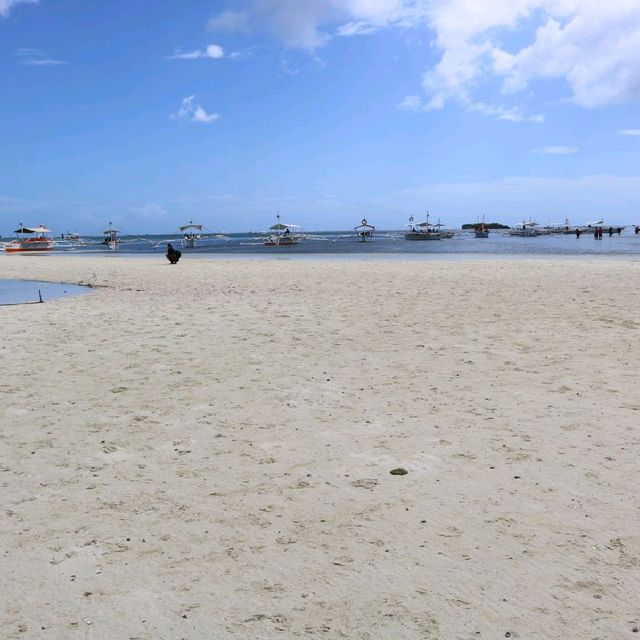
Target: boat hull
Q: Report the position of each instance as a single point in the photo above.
(190, 241)
(524, 234)
(416, 235)
(281, 241)
(29, 245)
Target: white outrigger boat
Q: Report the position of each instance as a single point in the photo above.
(26, 241)
(568, 229)
(445, 232)
(364, 230)
(557, 228)
(285, 235)
(421, 231)
(590, 227)
(526, 230)
(71, 236)
(111, 237)
(191, 233)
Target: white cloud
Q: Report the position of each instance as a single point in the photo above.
(149, 210)
(185, 55)
(590, 45)
(355, 29)
(44, 62)
(416, 104)
(200, 115)
(310, 24)
(629, 132)
(412, 103)
(212, 51)
(229, 21)
(242, 54)
(508, 114)
(194, 112)
(296, 23)
(594, 49)
(557, 151)
(37, 57)
(6, 5)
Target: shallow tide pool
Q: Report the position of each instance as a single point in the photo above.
(22, 291)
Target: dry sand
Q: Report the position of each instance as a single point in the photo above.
(203, 451)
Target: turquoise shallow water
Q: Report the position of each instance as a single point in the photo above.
(23, 291)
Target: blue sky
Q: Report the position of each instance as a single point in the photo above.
(151, 113)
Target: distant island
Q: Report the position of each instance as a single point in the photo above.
(489, 225)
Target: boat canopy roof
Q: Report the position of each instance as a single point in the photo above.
(40, 229)
(420, 224)
(191, 226)
(281, 226)
(110, 231)
(590, 224)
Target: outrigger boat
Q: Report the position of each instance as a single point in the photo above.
(285, 235)
(444, 231)
(590, 227)
(111, 237)
(557, 228)
(481, 230)
(191, 233)
(421, 231)
(364, 230)
(70, 236)
(587, 227)
(25, 242)
(527, 230)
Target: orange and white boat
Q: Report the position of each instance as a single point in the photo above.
(30, 239)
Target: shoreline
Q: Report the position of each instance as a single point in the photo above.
(348, 257)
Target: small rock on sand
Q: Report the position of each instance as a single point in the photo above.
(398, 472)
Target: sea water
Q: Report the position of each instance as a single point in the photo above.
(383, 242)
(23, 291)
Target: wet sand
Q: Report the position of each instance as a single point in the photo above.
(204, 450)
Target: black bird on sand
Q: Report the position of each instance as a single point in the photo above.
(173, 255)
